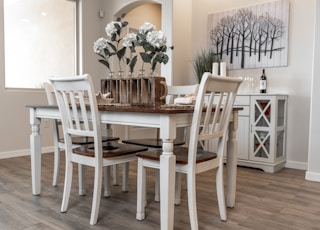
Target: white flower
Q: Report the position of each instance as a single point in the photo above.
(100, 45)
(130, 40)
(156, 39)
(111, 29)
(146, 27)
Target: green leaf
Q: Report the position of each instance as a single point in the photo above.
(127, 61)
(114, 37)
(121, 53)
(104, 62)
(153, 67)
(132, 49)
(100, 55)
(107, 52)
(165, 59)
(148, 47)
(163, 49)
(112, 47)
(133, 63)
(117, 26)
(141, 37)
(145, 57)
(157, 58)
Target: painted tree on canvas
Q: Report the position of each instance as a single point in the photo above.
(249, 40)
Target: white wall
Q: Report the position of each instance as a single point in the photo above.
(313, 172)
(295, 79)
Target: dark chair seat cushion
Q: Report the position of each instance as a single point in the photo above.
(151, 142)
(89, 140)
(181, 155)
(110, 149)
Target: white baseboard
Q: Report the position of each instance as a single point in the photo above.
(23, 152)
(312, 176)
(296, 165)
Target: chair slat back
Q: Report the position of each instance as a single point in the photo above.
(180, 91)
(51, 98)
(216, 97)
(78, 107)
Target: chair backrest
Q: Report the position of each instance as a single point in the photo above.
(79, 111)
(51, 98)
(216, 94)
(180, 91)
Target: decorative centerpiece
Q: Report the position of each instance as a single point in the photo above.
(151, 40)
(108, 48)
(129, 88)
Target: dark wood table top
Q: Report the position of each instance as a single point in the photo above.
(165, 109)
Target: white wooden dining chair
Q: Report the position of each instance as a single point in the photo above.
(80, 117)
(194, 159)
(58, 141)
(156, 143)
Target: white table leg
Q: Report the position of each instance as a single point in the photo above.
(232, 154)
(115, 175)
(167, 173)
(35, 152)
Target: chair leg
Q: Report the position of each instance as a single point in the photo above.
(125, 176)
(220, 193)
(192, 203)
(56, 165)
(81, 178)
(141, 190)
(115, 175)
(177, 194)
(96, 195)
(157, 186)
(186, 182)
(107, 181)
(67, 186)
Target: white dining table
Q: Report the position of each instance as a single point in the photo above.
(167, 119)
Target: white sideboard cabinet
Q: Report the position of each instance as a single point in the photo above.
(262, 131)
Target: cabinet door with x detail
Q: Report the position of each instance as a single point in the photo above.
(267, 128)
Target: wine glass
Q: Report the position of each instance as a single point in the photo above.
(251, 82)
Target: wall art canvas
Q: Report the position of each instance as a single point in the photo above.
(251, 37)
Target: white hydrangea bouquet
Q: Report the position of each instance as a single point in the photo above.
(153, 42)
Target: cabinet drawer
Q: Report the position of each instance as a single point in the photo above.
(245, 110)
(242, 100)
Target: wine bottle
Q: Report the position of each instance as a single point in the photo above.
(263, 82)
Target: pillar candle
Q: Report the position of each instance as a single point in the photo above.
(223, 68)
(215, 68)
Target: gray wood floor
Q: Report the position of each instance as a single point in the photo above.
(284, 200)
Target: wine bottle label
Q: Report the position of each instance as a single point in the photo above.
(263, 84)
